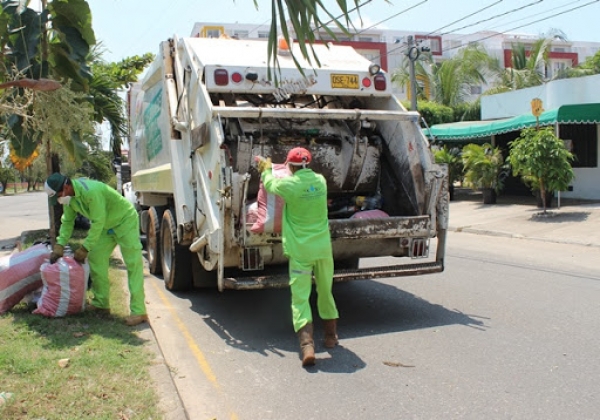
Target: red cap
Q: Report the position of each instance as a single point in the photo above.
(298, 156)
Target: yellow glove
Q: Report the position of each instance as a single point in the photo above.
(263, 164)
(57, 252)
(81, 254)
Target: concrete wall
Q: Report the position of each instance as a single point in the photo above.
(553, 94)
(580, 90)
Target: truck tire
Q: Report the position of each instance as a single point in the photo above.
(176, 259)
(153, 245)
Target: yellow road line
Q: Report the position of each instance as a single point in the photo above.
(190, 340)
(202, 362)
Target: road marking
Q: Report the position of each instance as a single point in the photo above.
(202, 362)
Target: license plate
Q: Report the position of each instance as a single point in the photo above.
(344, 81)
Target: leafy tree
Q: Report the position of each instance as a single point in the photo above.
(453, 158)
(434, 113)
(484, 166)
(589, 67)
(107, 80)
(6, 169)
(451, 80)
(35, 174)
(528, 67)
(52, 43)
(541, 158)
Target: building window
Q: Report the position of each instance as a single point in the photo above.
(584, 141)
(263, 34)
(433, 42)
(213, 33)
(365, 39)
(435, 45)
(239, 34)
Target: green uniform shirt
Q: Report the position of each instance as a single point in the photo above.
(101, 204)
(305, 227)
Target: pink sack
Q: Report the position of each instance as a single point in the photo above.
(20, 275)
(270, 206)
(65, 286)
(251, 213)
(369, 214)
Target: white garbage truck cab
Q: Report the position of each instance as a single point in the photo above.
(206, 107)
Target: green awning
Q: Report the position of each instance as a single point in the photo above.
(566, 114)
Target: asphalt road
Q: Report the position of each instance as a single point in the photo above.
(508, 331)
(21, 212)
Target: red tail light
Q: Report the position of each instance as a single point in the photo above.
(236, 77)
(221, 77)
(380, 83)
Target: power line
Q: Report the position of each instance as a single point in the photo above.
(497, 16)
(393, 16)
(546, 11)
(468, 16)
(528, 23)
(402, 47)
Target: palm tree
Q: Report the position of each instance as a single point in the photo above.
(451, 80)
(528, 66)
(106, 82)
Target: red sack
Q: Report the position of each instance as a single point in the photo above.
(20, 275)
(65, 286)
(270, 206)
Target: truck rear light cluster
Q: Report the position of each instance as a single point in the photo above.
(379, 81)
(236, 77)
(221, 77)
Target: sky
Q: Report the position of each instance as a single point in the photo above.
(134, 27)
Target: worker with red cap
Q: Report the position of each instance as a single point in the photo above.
(307, 245)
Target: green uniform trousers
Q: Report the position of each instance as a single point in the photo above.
(301, 286)
(127, 237)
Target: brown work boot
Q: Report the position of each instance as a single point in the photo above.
(331, 338)
(307, 345)
(133, 320)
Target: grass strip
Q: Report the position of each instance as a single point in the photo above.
(84, 366)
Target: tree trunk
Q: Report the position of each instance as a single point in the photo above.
(489, 195)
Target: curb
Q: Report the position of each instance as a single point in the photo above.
(170, 402)
(169, 399)
(485, 232)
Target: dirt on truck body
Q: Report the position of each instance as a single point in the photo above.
(206, 107)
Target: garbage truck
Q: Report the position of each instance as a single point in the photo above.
(206, 107)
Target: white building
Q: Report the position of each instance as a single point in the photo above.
(388, 47)
(581, 134)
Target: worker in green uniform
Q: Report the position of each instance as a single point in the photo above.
(307, 245)
(114, 221)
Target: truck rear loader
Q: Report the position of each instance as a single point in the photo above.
(206, 107)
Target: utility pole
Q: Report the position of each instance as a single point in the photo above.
(412, 53)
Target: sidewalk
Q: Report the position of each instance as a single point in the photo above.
(575, 222)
